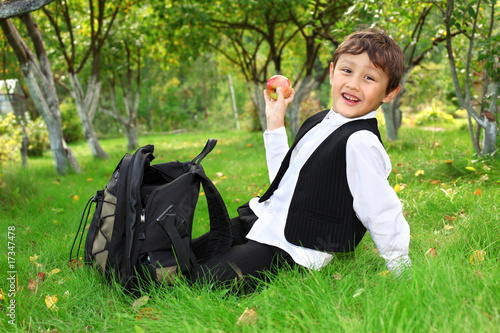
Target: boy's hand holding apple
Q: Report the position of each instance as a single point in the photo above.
(278, 95)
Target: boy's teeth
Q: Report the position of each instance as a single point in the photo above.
(351, 98)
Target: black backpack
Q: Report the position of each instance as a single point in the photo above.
(141, 227)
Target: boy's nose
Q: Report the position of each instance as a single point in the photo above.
(353, 84)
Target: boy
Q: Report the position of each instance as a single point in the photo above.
(331, 185)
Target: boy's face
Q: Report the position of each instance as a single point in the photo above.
(358, 87)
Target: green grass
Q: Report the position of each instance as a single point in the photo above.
(450, 208)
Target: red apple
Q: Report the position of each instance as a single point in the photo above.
(278, 81)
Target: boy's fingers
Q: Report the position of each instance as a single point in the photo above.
(266, 96)
(280, 93)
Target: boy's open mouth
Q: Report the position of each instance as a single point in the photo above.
(350, 98)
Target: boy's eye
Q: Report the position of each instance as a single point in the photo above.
(346, 70)
(368, 77)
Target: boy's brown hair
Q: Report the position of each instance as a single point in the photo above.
(382, 51)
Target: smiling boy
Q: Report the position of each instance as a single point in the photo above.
(331, 185)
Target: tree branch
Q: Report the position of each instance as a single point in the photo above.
(453, 68)
(14, 8)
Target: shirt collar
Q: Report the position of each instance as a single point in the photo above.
(338, 119)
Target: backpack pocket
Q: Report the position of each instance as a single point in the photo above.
(101, 230)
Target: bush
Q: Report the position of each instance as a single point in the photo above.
(38, 136)
(432, 115)
(10, 139)
(71, 124)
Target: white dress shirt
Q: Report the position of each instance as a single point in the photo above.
(375, 202)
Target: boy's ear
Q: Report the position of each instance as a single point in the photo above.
(390, 96)
(331, 72)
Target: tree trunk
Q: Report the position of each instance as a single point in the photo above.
(20, 106)
(490, 128)
(302, 91)
(131, 108)
(40, 83)
(392, 111)
(86, 107)
(132, 137)
(233, 101)
(257, 95)
(130, 123)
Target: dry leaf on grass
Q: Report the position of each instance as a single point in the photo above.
(477, 257)
(337, 276)
(431, 252)
(50, 302)
(140, 301)
(32, 285)
(359, 292)
(248, 317)
(148, 313)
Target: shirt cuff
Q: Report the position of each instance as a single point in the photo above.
(276, 132)
(399, 265)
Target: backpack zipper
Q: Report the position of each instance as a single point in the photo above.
(143, 215)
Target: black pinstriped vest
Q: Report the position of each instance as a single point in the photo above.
(321, 215)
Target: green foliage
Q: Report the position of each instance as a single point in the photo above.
(38, 137)
(10, 140)
(10, 137)
(433, 114)
(72, 126)
(429, 82)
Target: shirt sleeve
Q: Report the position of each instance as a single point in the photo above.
(375, 202)
(276, 144)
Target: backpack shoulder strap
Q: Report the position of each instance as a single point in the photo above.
(209, 146)
(220, 227)
(121, 256)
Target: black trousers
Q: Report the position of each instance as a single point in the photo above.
(243, 263)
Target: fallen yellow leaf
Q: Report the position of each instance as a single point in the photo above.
(249, 316)
(50, 302)
(470, 168)
(385, 273)
(419, 172)
(34, 257)
(477, 257)
(397, 188)
(54, 271)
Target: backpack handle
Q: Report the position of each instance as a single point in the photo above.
(209, 146)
